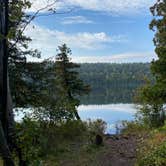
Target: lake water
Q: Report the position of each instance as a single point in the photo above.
(112, 114)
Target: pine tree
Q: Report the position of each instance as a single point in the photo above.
(158, 67)
(153, 95)
(69, 85)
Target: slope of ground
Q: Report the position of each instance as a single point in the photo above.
(117, 150)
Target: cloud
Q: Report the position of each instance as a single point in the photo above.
(46, 40)
(128, 108)
(115, 7)
(118, 58)
(76, 20)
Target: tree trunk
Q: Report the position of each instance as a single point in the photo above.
(77, 115)
(6, 112)
(4, 150)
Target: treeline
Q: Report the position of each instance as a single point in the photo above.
(109, 83)
(113, 83)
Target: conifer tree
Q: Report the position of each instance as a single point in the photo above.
(153, 95)
(69, 85)
(158, 67)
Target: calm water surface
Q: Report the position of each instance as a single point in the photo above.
(112, 114)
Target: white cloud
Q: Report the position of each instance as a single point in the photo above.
(118, 58)
(76, 20)
(118, 6)
(46, 40)
(128, 108)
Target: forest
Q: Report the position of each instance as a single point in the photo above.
(109, 83)
(113, 83)
(52, 132)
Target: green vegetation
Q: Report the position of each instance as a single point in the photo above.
(53, 134)
(153, 96)
(109, 83)
(113, 83)
(54, 144)
(68, 84)
(151, 149)
(151, 119)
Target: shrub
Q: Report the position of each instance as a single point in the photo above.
(38, 140)
(96, 127)
(156, 157)
(29, 140)
(152, 152)
(72, 129)
(133, 127)
(152, 115)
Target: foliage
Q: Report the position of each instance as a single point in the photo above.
(29, 140)
(156, 157)
(158, 24)
(134, 127)
(113, 83)
(56, 88)
(152, 151)
(110, 83)
(40, 140)
(153, 96)
(96, 127)
(18, 51)
(68, 84)
(151, 111)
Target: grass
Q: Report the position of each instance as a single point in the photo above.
(67, 144)
(81, 156)
(1, 162)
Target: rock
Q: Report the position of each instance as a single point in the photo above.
(98, 140)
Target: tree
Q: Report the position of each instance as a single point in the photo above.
(158, 67)
(153, 96)
(69, 85)
(13, 50)
(6, 116)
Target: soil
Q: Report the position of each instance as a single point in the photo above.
(121, 150)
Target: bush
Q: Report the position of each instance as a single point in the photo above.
(29, 140)
(152, 151)
(156, 157)
(38, 140)
(134, 127)
(72, 129)
(96, 127)
(152, 115)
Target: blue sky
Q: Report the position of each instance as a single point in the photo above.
(95, 30)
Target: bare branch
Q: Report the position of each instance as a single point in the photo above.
(36, 14)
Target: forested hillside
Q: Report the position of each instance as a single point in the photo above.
(109, 83)
(113, 83)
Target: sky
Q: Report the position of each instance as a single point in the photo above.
(111, 31)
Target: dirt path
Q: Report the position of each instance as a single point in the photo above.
(118, 150)
(121, 150)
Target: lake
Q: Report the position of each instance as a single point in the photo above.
(112, 114)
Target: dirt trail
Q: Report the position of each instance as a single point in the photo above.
(121, 150)
(118, 150)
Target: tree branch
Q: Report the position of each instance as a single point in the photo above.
(36, 14)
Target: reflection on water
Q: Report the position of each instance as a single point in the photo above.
(110, 95)
(111, 114)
